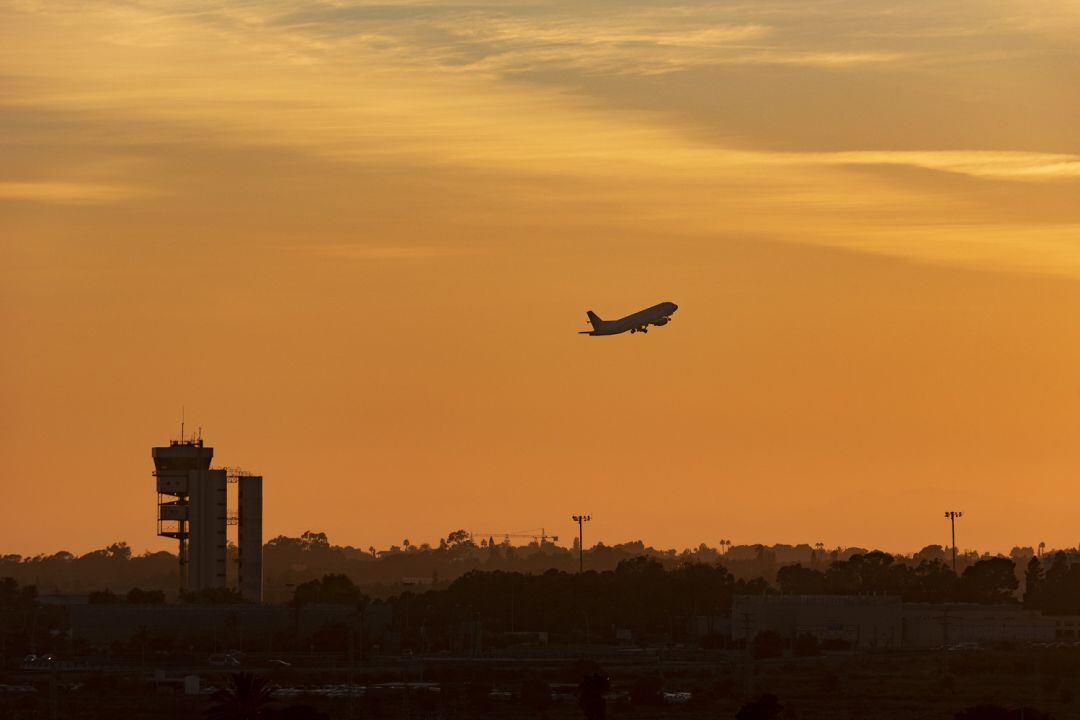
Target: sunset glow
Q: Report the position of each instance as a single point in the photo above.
(355, 241)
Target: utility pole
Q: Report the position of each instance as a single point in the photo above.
(581, 520)
(952, 515)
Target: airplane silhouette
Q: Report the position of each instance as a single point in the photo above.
(638, 322)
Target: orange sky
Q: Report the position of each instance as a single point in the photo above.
(356, 240)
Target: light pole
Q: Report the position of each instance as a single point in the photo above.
(581, 520)
(952, 515)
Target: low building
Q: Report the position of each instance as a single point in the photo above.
(928, 625)
(102, 624)
(1066, 627)
(708, 626)
(242, 624)
(857, 621)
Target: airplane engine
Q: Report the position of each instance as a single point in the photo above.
(662, 321)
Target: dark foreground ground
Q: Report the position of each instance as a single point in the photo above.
(643, 685)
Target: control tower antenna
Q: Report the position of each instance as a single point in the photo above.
(181, 423)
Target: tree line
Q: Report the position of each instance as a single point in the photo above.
(655, 603)
(645, 597)
(290, 561)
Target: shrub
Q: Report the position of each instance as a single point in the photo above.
(478, 695)
(768, 644)
(806, 645)
(647, 690)
(997, 712)
(535, 693)
(765, 707)
(591, 695)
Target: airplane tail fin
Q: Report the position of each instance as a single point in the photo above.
(594, 319)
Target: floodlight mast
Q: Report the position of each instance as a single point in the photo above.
(952, 515)
(581, 520)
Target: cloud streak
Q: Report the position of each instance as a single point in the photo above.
(562, 93)
(374, 252)
(69, 193)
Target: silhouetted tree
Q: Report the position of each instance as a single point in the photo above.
(13, 596)
(1033, 584)
(997, 712)
(536, 693)
(137, 596)
(1021, 555)
(457, 537)
(591, 695)
(930, 581)
(931, 553)
(103, 597)
(806, 645)
(245, 698)
(297, 712)
(798, 580)
(988, 581)
(1060, 585)
(335, 588)
(315, 539)
(478, 696)
(765, 707)
(646, 690)
(214, 596)
(768, 644)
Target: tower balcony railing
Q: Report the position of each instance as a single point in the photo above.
(233, 474)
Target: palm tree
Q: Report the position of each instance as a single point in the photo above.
(591, 695)
(245, 698)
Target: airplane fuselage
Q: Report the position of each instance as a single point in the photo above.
(638, 322)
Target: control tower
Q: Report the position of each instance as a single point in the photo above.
(193, 509)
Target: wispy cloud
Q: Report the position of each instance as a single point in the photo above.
(69, 193)
(996, 165)
(701, 115)
(377, 252)
(588, 38)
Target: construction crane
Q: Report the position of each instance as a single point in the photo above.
(539, 538)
